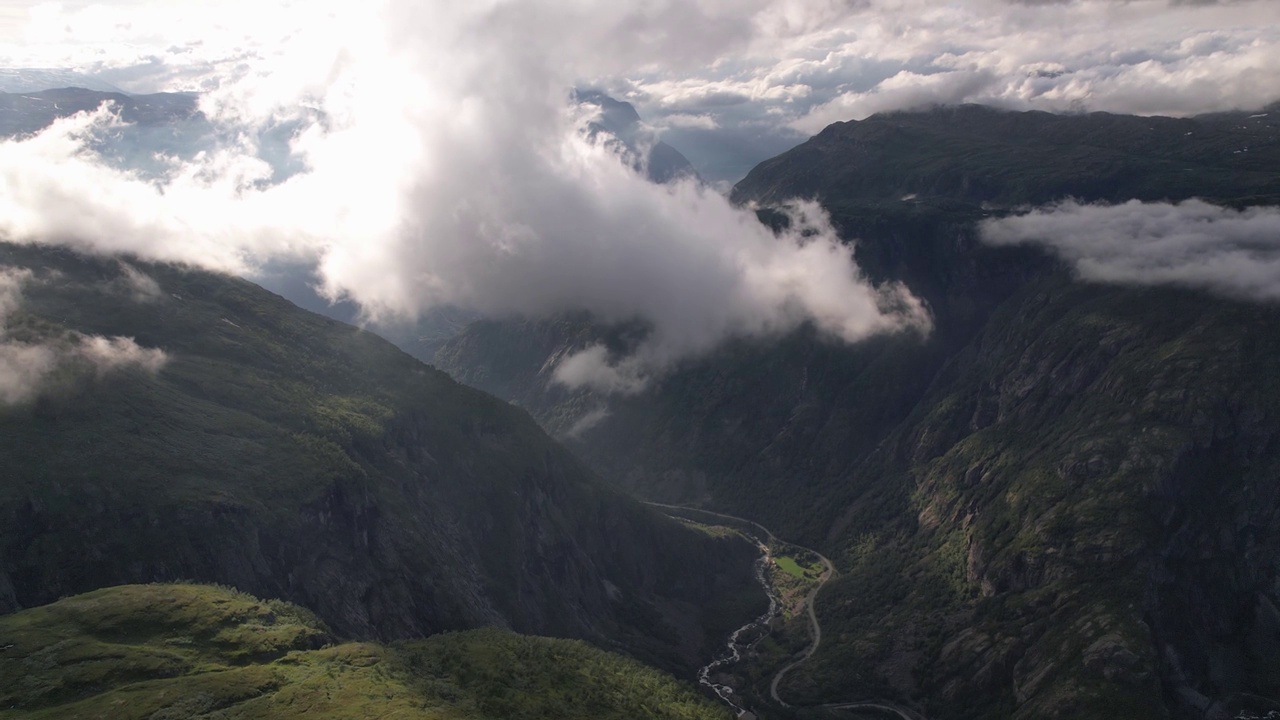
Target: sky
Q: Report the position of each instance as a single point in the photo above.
(440, 162)
(761, 74)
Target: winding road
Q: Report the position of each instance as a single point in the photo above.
(815, 627)
(904, 713)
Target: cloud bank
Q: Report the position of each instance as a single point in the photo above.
(818, 63)
(27, 367)
(443, 164)
(1194, 244)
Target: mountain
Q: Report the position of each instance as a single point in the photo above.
(977, 155)
(1060, 504)
(164, 424)
(25, 113)
(156, 126)
(187, 651)
(33, 80)
(660, 162)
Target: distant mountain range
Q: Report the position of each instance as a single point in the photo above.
(28, 80)
(26, 113)
(157, 126)
(167, 124)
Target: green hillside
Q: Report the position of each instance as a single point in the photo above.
(193, 651)
(295, 457)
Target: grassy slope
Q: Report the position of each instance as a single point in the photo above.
(190, 651)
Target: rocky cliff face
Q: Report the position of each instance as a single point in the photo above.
(1075, 541)
(294, 457)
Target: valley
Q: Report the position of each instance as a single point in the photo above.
(1060, 499)
(1032, 507)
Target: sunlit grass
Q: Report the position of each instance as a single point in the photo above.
(165, 652)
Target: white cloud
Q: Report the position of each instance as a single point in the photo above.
(587, 421)
(1191, 244)
(591, 367)
(26, 367)
(107, 354)
(703, 122)
(23, 368)
(758, 69)
(444, 165)
(140, 286)
(906, 90)
(53, 189)
(11, 282)
(441, 163)
(1140, 56)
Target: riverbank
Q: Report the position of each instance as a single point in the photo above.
(749, 635)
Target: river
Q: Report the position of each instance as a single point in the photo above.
(734, 648)
(753, 631)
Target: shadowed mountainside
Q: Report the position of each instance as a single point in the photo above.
(1060, 504)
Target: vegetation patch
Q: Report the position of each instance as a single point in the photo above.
(164, 652)
(791, 567)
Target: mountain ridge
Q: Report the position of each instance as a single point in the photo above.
(977, 154)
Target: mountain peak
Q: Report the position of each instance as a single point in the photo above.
(659, 161)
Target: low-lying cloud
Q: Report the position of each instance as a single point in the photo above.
(27, 366)
(443, 164)
(139, 286)
(1194, 244)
